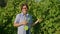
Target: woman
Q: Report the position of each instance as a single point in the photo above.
(21, 20)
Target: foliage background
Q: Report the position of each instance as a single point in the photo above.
(49, 10)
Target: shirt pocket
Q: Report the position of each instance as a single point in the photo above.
(21, 19)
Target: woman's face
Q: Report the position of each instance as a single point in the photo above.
(24, 9)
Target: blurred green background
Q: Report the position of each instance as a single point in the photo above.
(49, 10)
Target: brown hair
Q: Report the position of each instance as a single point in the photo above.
(24, 5)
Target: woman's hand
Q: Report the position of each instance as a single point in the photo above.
(24, 22)
(39, 20)
(21, 23)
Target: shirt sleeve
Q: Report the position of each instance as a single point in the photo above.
(30, 22)
(17, 19)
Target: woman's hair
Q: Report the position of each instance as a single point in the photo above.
(24, 5)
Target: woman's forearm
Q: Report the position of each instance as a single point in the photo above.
(37, 22)
(34, 23)
(17, 24)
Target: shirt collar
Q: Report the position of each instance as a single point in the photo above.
(26, 14)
